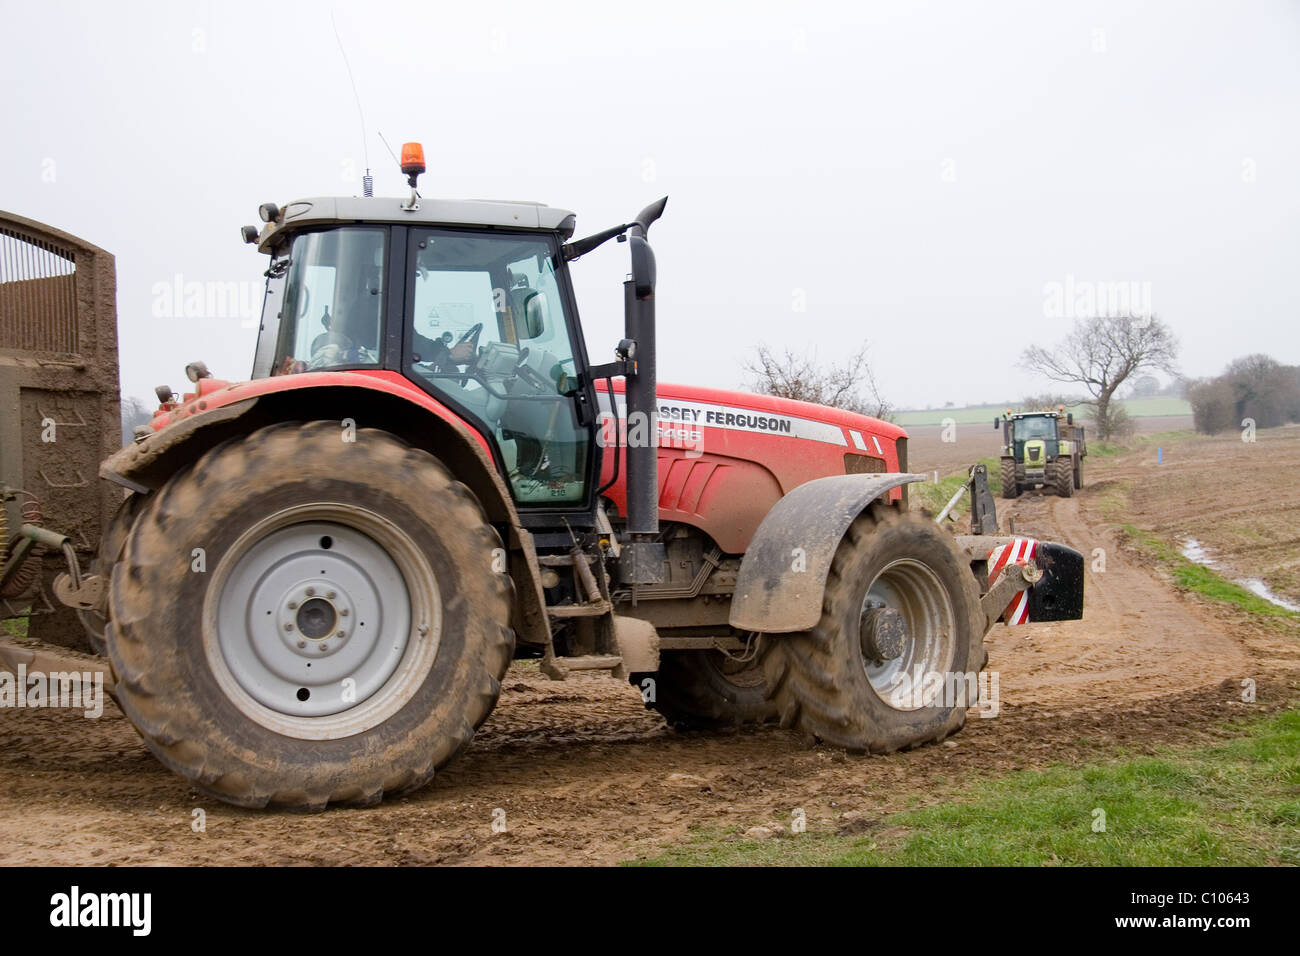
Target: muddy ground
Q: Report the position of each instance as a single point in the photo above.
(585, 775)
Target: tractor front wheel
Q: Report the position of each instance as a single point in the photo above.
(894, 659)
(1063, 480)
(1009, 487)
(299, 619)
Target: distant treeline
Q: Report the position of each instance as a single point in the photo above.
(1255, 387)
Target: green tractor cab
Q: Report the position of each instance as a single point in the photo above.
(1041, 449)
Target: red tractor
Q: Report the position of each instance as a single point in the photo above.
(318, 578)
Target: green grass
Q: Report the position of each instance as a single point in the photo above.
(981, 414)
(13, 627)
(1232, 804)
(1190, 576)
(934, 495)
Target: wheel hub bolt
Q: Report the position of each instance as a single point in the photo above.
(311, 592)
(343, 612)
(302, 643)
(332, 595)
(324, 647)
(293, 605)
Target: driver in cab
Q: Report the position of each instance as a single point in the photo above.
(440, 353)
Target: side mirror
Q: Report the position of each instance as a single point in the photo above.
(644, 272)
(995, 424)
(535, 314)
(530, 310)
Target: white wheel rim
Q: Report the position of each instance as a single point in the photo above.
(915, 591)
(322, 621)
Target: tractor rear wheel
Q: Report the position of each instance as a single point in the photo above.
(892, 662)
(301, 620)
(1078, 472)
(1063, 476)
(707, 690)
(111, 543)
(1009, 487)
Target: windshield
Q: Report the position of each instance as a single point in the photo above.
(1028, 429)
(331, 305)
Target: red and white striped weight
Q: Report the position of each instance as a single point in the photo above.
(1019, 551)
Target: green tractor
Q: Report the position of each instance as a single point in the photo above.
(1041, 448)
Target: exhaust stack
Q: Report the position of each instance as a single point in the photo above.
(643, 556)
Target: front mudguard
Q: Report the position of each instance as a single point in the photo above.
(783, 573)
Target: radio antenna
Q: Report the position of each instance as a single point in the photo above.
(389, 148)
(367, 181)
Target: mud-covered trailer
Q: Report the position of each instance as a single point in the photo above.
(59, 414)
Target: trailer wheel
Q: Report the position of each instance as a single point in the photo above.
(892, 662)
(301, 620)
(1009, 487)
(111, 543)
(1078, 472)
(707, 690)
(1063, 480)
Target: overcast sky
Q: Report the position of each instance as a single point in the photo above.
(916, 175)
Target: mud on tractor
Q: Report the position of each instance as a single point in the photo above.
(317, 578)
(1041, 449)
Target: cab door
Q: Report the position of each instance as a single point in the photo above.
(490, 331)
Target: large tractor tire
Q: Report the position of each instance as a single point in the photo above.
(901, 604)
(1063, 476)
(1009, 487)
(299, 620)
(707, 690)
(111, 543)
(1078, 472)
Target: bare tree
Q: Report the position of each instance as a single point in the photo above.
(1101, 354)
(850, 385)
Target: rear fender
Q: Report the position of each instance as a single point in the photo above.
(783, 573)
(146, 466)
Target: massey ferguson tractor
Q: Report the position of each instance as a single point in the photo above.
(1041, 449)
(317, 578)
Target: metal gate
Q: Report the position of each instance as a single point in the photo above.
(59, 404)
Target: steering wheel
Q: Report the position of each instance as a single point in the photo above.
(471, 335)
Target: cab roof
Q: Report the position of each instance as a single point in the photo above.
(330, 210)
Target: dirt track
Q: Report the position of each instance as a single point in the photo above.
(586, 775)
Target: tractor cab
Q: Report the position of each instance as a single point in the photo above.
(1033, 438)
(469, 301)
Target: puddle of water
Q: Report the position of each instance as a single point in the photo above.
(1268, 594)
(1193, 550)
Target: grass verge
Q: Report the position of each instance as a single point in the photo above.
(1233, 804)
(934, 495)
(1199, 579)
(13, 627)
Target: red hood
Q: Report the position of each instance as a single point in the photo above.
(775, 405)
